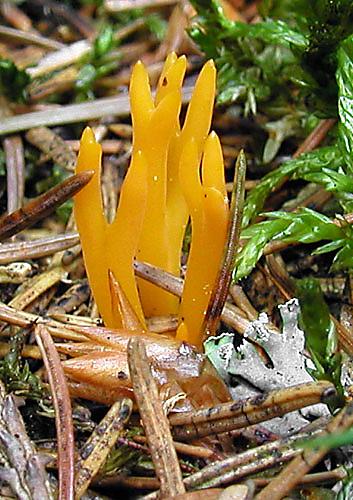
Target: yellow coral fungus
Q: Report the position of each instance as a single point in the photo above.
(162, 189)
(110, 246)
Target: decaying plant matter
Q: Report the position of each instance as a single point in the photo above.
(142, 352)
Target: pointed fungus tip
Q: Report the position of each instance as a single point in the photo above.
(139, 65)
(210, 64)
(88, 135)
(208, 73)
(138, 69)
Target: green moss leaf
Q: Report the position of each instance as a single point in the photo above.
(13, 81)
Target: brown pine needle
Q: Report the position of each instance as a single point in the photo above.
(301, 465)
(231, 315)
(73, 113)
(120, 302)
(95, 451)
(224, 278)
(154, 421)
(53, 146)
(63, 412)
(316, 137)
(35, 249)
(15, 172)
(43, 205)
(25, 37)
(234, 415)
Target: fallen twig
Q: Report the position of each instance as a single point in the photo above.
(43, 205)
(15, 166)
(73, 113)
(122, 5)
(25, 37)
(53, 146)
(63, 413)
(238, 466)
(234, 415)
(221, 287)
(36, 286)
(231, 314)
(95, 451)
(154, 421)
(23, 469)
(301, 465)
(35, 249)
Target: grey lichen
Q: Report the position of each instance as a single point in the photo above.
(250, 375)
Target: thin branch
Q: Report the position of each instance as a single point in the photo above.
(154, 421)
(301, 465)
(63, 412)
(224, 278)
(316, 137)
(237, 466)
(234, 415)
(15, 165)
(25, 37)
(96, 449)
(35, 249)
(231, 315)
(73, 113)
(122, 5)
(43, 205)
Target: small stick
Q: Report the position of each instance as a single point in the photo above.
(184, 448)
(25, 37)
(122, 5)
(213, 472)
(330, 476)
(96, 449)
(154, 421)
(15, 166)
(134, 482)
(291, 475)
(231, 315)
(43, 205)
(36, 286)
(213, 494)
(233, 468)
(221, 287)
(35, 249)
(53, 146)
(73, 113)
(70, 54)
(315, 138)
(63, 413)
(234, 415)
(189, 469)
(25, 319)
(121, 303)
(15, 16)
(109, 146)
(241, 300)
